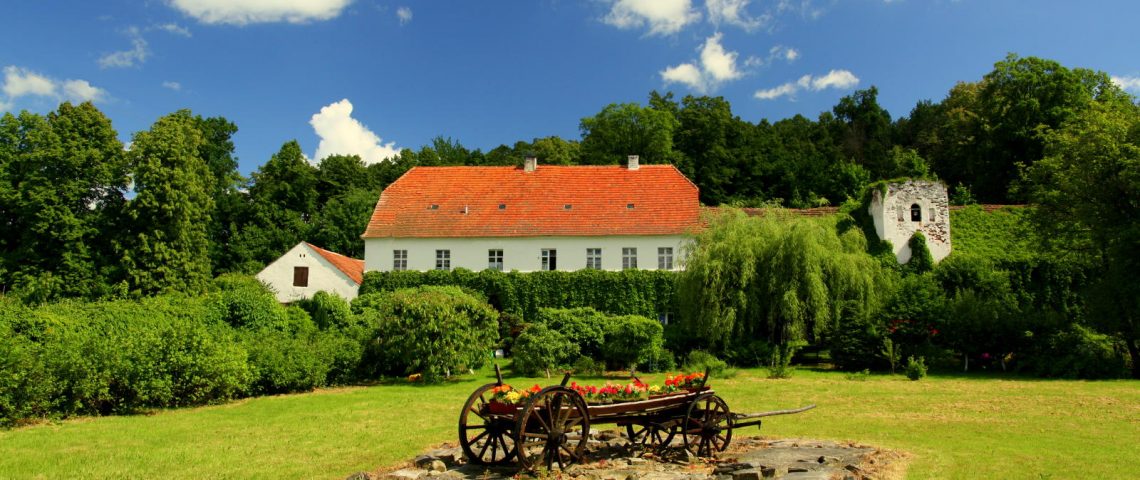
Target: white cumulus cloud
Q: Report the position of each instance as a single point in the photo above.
(127, 58)
(82, 91)
(404, 14)
(244, 12)
(663, 17)
(344, 135)
(837, 79)
(734, 12)
(717, 66)
(172, 86)
(1127, 83)
(21, 82)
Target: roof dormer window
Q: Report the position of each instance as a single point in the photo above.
(434, 206)
(502, 206)
(567, 206)
(629, 206)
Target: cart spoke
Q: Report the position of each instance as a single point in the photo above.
(475, 440)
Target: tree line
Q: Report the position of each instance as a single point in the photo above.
(86, 217)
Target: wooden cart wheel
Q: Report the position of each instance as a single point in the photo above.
(650, 435)
(708, 426)
(486, 438)
(552, 429)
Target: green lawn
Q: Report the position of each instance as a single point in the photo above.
(953, 427)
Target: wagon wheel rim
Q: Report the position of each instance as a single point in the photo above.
(708, 426)
(552, 429)
(652, 436)
(486, 438)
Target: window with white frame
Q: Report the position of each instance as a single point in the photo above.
(665, 318)
(399, 259)
(443, 259)
(549, 259)
(594, 258)
(495, 259)
(628, 258)
(664, 258)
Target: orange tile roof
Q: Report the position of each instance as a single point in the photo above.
(509, 202)
(350, 266)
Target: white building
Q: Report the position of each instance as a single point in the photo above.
(533, 218)
(307, 269)
(908, 207)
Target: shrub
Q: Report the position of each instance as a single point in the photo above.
(540, 350)
(328, 311)
(584, 327)
(633, 340)
(25, 387)
(586, 366)
(921, 261)
(781, 361)
(915, 369)
(283, 363)
(1076, 352)
(244, 302)
(699, 360)
(427, 330)
(660, 360)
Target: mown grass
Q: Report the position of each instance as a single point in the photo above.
(954, 427)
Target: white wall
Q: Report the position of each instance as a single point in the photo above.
(893, 221)
(522, 253)
(322, 276)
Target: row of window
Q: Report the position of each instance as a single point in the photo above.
(549, 259)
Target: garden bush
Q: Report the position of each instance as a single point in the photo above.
(244, 302)
(584, 327)
(1076, 352)
(428, 330)
(632, 341)
(915, 369)
(700, 360)
(541, 350)
(586, 366)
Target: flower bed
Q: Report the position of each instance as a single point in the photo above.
(506, 398)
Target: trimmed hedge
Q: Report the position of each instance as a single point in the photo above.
(627, 292)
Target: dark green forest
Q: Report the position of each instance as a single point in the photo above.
(87, 217)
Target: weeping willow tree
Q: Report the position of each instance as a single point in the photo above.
(777, 277)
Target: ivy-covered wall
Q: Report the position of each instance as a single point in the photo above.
(627, 292)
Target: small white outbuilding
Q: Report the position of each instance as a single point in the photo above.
(913, 206)
(307, 269)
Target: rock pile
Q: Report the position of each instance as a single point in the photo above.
(611, 457)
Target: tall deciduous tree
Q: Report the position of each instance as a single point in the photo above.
(61, 182)
(165, 245)
(1087, 195)
(628, 129)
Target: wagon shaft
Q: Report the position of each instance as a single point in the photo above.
(747, 416)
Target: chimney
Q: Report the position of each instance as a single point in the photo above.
(530, 163)
(632, 162)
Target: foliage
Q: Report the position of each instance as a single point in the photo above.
(891, 353)
(921, 261)
(329, 311)
(245, 303)
(780, 365)
(540, 349)
(1087, 188)
(775, 277)
(429, 330)
(855, 345)
(584, 327)
(628, 129)
(1076, 352)
(701, 361)
(633, 340)
(1005, 234)
(165, 247)
(586, 366)
(915, 369)
(625, 292)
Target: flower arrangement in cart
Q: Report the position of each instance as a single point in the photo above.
(608, 393)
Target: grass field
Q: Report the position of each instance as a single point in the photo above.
(969, 427)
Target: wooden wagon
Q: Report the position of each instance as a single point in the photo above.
(553, 425)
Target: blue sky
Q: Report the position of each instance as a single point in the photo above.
(370, 76)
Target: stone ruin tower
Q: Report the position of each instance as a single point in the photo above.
(908, 207)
